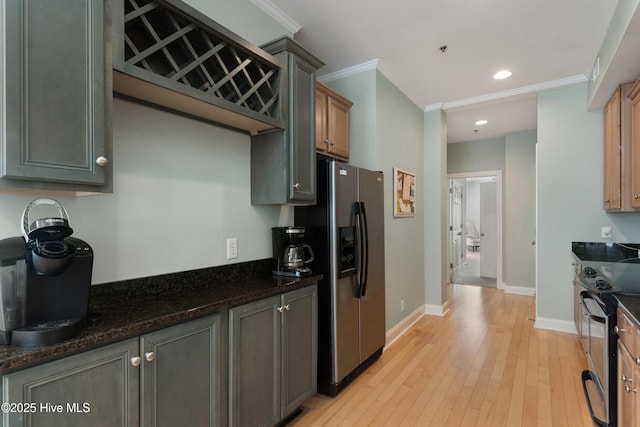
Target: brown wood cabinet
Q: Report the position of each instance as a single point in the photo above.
(628, 371)
(332, 123)
(634, 101)
(621, 190)
(612, 145)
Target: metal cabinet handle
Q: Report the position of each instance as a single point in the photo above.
(136, 361)
(637, 196)
(150, 356)
(296, 185)
(332, 143)
(326, 141)
(617, 330)
(284, 308)
(637, 360)
(102, 161)
(626, 379)
(629, 389)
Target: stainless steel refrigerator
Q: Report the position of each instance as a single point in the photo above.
(346, 231)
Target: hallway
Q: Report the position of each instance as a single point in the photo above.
(483, 364)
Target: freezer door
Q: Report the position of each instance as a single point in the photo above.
(345, 322)
(372, 302)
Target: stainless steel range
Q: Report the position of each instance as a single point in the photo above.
(602, 272)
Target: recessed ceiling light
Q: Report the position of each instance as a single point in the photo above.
(502, 74)
(481, 122)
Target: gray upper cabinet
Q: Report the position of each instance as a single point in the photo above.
(96, 388)
(56, 87)
(272, 357)
(169, 55)
(283, 163)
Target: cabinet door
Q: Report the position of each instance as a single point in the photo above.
(338, 128)
(254, 363)
(322, 140)
(299, 348)
(302, 130)
(181, 375)
(55, 91)
(635, 145)
(612, 141)
(96, 388)
(627, 388)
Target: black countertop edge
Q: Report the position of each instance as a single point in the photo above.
(606, 251)
(131, 308)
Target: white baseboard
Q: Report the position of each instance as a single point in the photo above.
(555, 325)
(437, 310)
(403, 326)
(519, 290)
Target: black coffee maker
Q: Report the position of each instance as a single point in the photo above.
(45, 278)
(291, 253)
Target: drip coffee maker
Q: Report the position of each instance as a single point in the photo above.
(291, 253)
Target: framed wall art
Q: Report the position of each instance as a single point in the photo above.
(404, 193)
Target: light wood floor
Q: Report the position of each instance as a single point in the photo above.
(484, 364)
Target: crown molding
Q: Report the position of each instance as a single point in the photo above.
(524, 90)
(346, 72)
(282, 18)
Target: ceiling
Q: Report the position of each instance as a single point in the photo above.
(545, 43)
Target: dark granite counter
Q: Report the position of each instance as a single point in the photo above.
(130, 308)
(616, 263)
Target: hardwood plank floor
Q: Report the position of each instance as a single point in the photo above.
(484, 364)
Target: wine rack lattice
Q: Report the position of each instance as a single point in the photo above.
(163, 42)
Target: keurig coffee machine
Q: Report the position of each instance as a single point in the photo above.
(290, 252)
(45, 278)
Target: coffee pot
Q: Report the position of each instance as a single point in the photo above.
(291, 253)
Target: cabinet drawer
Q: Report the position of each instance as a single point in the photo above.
(628, 332)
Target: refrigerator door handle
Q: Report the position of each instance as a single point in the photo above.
(357, 291)
(365, 269)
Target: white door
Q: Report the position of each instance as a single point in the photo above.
(488, 230)
(456, 227)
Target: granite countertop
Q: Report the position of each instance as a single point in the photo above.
(130, 308)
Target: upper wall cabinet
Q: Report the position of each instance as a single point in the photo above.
(283, 164)
(169, 55)
(621, 192)
(56, 91)
(332, 123)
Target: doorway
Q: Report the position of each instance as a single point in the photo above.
(475, 227)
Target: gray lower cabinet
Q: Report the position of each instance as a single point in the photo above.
(181, 375)
(56, 132)
(95, 388)
(170, 377)
(272, 357)
(283, 163)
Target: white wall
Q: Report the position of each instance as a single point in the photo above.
(520, 209)
(569, 183)
(181, 187)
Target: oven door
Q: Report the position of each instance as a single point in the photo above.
(595, 381)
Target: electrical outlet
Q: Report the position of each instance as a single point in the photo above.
(401, 306)
(606, 232)
(232, 247)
